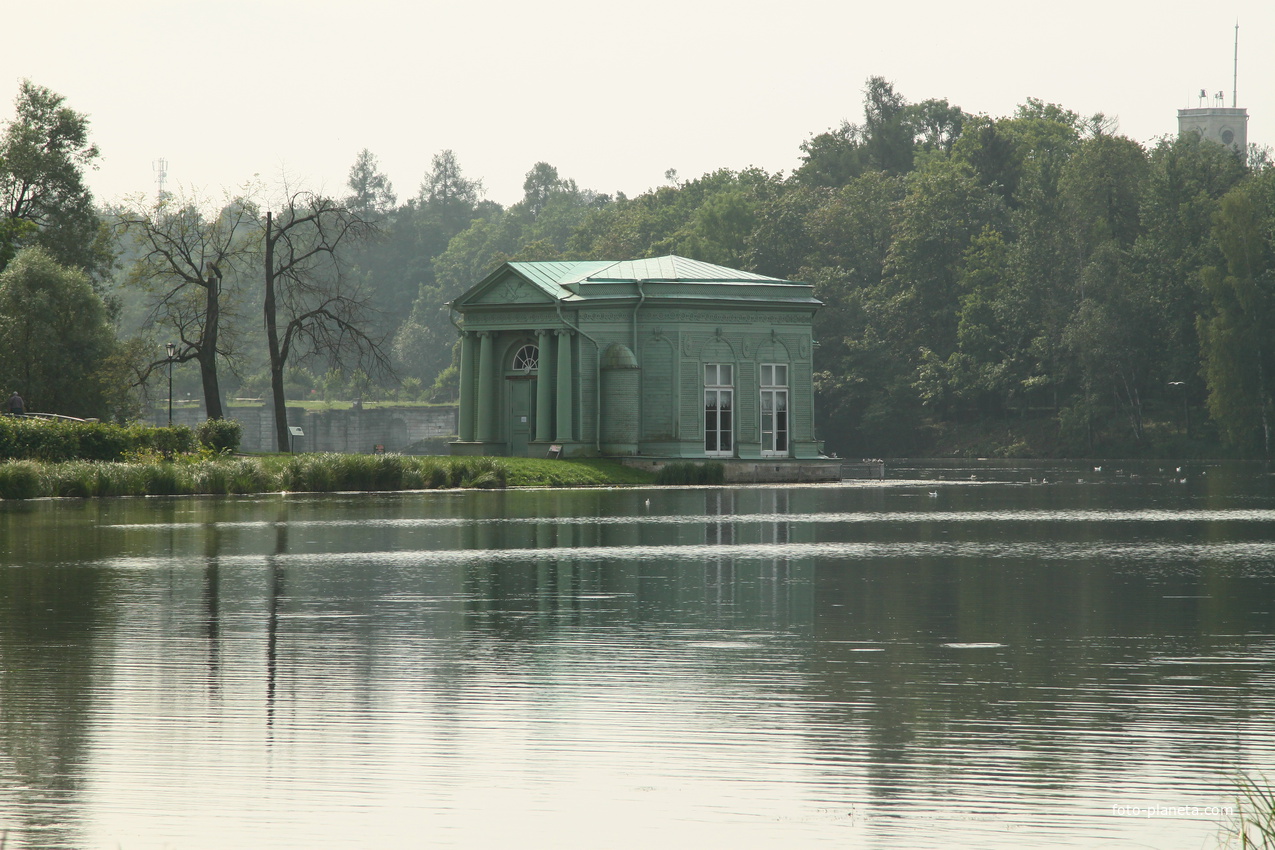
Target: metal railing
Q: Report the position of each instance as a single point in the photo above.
(55, 417)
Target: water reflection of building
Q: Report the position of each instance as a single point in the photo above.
(754, 524)
(717, 553)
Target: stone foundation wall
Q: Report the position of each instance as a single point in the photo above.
(772, 471)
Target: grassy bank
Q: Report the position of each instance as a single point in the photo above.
(540, 472)
(309, 473)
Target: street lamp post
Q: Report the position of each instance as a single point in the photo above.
(172, 350)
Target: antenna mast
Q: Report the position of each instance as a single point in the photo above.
(1235, 78)
(161, 174)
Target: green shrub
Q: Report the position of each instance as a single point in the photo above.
(104, 443)
(307, 474)
(388, 471)
(691, 472)
(414, 477)
(169, 441)
(220, 435)
(20, 479)
(161, 479)
(29, 438)
(37, 439)
(211, 478)
(322, 473)
(76, 478)
(435, 475)
(220, 476)
(368, 472)
(248, 476)
(479, 472)
(348, 472)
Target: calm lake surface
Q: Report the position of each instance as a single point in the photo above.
(972, 660)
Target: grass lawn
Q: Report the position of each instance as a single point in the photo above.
(301, 473)
(541, 472)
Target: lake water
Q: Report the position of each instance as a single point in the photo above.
(972, 660)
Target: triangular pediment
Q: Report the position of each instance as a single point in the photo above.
(503, 287)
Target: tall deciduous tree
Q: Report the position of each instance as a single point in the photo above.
(1101, 188)
(839, 240)
(1112, 328)
(1239, 354)
(992, 154)
(311, 307)
(56, 340)
(184, 260)
(936, 125)
(542, 183)
(447, 204)
(1186, 178)
(886, 130)
(44, 152)
(944, 210)
(832, 158)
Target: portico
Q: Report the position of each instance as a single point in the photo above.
(517, 389)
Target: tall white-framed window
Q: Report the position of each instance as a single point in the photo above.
(719, 409)
(774, 409)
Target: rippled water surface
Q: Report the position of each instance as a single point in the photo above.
(977, 659)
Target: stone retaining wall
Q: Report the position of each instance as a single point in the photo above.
(349, 431)
(770, 471)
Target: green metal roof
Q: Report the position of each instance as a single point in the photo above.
(672, 277)
(675, 269)
(554, 273)
(669, 269)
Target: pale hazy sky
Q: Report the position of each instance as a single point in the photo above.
(610, 94)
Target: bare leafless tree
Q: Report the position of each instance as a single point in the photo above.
(185, 258)
(312, 308)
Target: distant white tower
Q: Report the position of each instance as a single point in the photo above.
(1219, 123)
(161, 174)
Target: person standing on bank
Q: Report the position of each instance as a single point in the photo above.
(16, 405)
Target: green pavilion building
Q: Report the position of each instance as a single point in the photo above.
(660, 358)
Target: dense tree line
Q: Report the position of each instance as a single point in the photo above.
(1033, 283)
(1036, 275)
(58, 345)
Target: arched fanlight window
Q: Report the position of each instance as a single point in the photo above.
(527, 359)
